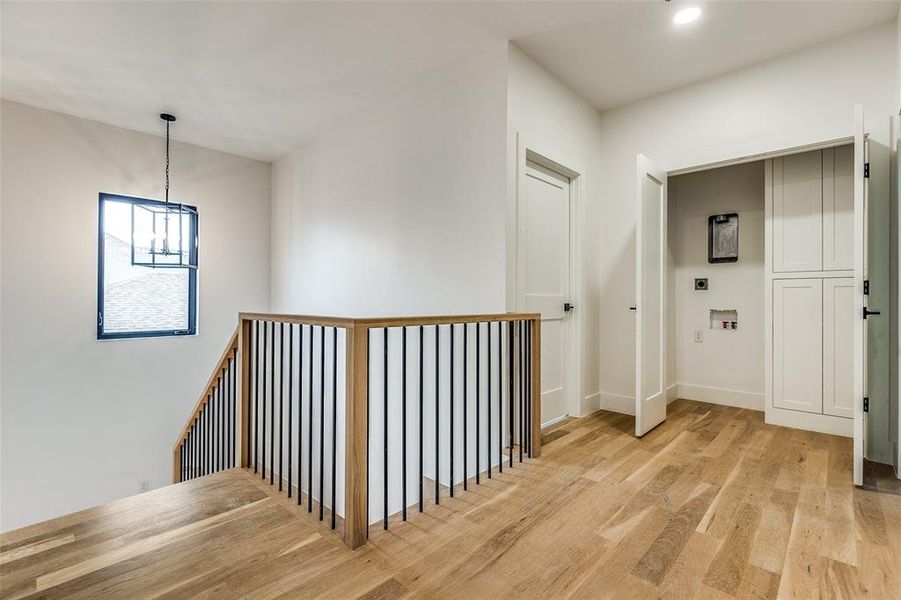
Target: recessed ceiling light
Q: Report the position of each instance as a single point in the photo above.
(687, 15)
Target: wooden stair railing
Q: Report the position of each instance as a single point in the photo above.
(206, 443)
(367, 418)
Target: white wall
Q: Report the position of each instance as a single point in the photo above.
(400, 210)
(84, 421)
(555, 122)
(727, 366)
(797, 99)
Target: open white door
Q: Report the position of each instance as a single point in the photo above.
(650, 297)
(860, 275)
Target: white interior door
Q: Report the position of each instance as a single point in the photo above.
(650, 296)
(860, 274)
(544, 234)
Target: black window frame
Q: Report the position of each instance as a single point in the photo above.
(192, 275)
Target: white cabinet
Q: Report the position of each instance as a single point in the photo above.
(838, 209)
(810, 299)
(798, 344)
(813, 211)
(798, 212)
(838, 343)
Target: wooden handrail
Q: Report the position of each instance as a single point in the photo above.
(356, 391)
(204, 398)
(374, 322)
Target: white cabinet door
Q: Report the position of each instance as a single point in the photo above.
(838, 347)
(798, 344)
(838, 208)
(798, 212)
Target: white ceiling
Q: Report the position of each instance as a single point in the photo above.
(261, 78)
(637, 51)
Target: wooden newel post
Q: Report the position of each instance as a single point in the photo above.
(356, 461)
(536, 387)
(176, 465)
(244, 361)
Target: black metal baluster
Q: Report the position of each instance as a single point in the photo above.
(334, 417)
(488, 408)
(272, 407)
(385, 429)
(368, 422)
(437, 414)
(195, 460)
(421, 404)
(214, 431)
(189, 454)
(465, 419)
(510, 389)
(310, 438)
(321, 419)
(254, 421)
(220, 422)
(203, 428)
(478, 402)
(281, 403)
(290, 403)
(263, 420)
(500, 397)
(451, 404)
(201, 445)
(300, 414)
(403, 424)
(521, 410)
(234, 405)
(527, 392)
(217, 405)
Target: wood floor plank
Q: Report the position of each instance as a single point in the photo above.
(713, 503)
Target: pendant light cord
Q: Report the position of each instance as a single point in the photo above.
(167, 162)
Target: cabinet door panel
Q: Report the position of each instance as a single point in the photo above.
(798, 212)
(838, 344)
(798, 344)
(838, 208)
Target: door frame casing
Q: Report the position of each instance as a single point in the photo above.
(565, 167)
(856, 429)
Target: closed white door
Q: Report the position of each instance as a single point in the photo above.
(838, 347)
(798, 212)
(838, 208)
(860, 301)
(798, 344)
(544, 225)
(650, 293)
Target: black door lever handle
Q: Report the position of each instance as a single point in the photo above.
(867, 312)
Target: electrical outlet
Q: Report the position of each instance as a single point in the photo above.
(698, 335)
(144, 486)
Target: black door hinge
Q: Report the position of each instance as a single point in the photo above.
(866, 287)
(866, 405)
(866, 170)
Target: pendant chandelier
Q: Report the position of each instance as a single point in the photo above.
(164, 234)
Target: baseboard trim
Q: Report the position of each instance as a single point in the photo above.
(555, 420)
(672, 392)
(616, 403)
(810, 422)
(712, 395)
(723, 396)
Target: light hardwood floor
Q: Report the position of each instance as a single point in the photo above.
(711, 504)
